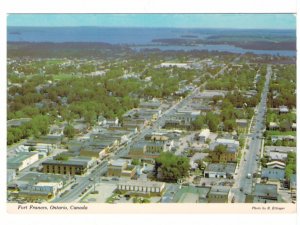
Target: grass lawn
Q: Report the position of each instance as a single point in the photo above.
(63, 76)
(277, 132)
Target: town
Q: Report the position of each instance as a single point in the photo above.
(151, 127)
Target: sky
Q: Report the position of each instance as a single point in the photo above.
(236, 21)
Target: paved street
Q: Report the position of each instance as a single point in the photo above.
(249, 163)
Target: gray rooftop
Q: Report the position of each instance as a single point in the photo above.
(219, 167)
(265, 190)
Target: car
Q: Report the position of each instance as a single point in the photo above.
(241, 189)
(91, 179)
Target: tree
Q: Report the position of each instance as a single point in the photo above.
(69, 131)
(169, 167)
(198, 123)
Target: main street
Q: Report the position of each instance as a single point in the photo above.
(85, 183)
(244, 180)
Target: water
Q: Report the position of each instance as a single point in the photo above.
(134, 36)
(220, 48)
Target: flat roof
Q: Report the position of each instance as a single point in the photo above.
(118, 162)
(142, 183)
(219, 190)
(218, 167)
(68, 162)
(21, 156)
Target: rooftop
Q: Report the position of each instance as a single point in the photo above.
(219, 190)
(20, 157)
(269, 190)
(142, 183)
(218, 167)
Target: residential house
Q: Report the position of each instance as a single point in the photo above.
(273, 126)
(242, 122)
(275, 165)
(204, 134)
(283, 109)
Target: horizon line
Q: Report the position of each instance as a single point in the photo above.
(229, 28)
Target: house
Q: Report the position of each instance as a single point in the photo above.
(219, 194)
(294, 126)
(242, 122)
(204, 134)
(22, 160)
(264, 193)
(277, 156)
(121, 168)
(273, 126)
(275, 165)
(283, 109)
(17, 122)
(279, 149)
(275, 138)
(218, 170)
(142, 187)
(273, 174)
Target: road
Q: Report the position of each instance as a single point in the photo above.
(249, 164)
(84, 182)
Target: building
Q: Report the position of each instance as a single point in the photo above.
(275, 138)
(142, 187)
(120, 168)
(264, 193)
(218, 170)
(41, 190)
(204, 134)
(22, 160)
(283, 109)
(11, 175)
(273, 174)
(273, 126)
(71, 167)
(179, 65)
(275, 165)
(182, 118)
(219, 194)
(147, 149)
(93, 152)
(230, 155)
(195, 157)
(242, 122)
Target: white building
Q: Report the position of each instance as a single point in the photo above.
(204, 134)
(142, 187)
(22, 160)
